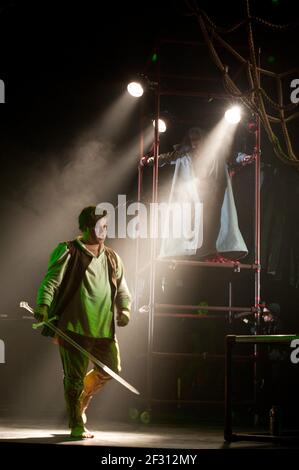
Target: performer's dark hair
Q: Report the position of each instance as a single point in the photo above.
(88, 217)
(196, 132)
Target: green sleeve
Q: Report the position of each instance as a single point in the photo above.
(123, 296)
(56, 268)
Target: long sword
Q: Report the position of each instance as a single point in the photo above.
(90, 356)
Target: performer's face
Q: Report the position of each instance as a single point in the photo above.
(195, 142)
(101, 229)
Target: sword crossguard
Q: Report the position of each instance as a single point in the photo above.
(43, 323)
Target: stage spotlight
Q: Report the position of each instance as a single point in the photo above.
(233, 115)
(135, 89)
(161, 125)
(141, 84)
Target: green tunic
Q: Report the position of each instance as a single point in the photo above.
(89, 312)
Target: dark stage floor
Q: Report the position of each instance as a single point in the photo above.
(127, 435)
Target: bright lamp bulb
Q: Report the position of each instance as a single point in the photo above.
(135, 89)
(233, 115)
(161, 125)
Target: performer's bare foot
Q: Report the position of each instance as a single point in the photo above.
(84, 417)
(80, 432)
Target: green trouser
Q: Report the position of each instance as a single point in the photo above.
(79, 386)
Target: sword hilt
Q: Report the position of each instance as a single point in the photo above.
(30, 309)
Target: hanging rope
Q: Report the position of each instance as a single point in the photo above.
(255, 96)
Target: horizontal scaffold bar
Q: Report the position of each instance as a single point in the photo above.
(224, 308)
(262, 338)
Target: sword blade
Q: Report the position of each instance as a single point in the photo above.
(96, 361)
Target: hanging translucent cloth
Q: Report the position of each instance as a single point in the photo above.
(182, 226)
(182, 221)
(230, 240)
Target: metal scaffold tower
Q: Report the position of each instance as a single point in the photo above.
(256, 100)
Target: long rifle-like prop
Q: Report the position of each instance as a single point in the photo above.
(90, 356)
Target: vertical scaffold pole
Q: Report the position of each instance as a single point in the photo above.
(139, 192)
(257, 250)
(153, 253)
